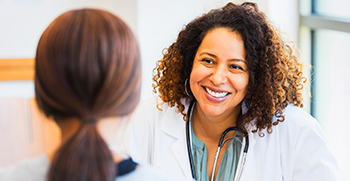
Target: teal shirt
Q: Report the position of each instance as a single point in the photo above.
(228, 164)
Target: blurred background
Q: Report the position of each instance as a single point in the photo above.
(320, 29)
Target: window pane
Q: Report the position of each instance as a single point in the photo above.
(332, 91)
(334, 8)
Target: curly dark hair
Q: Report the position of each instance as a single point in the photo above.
(275, 74)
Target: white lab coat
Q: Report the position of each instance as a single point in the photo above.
(296, 149)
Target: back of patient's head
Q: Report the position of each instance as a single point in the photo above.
(87, 67)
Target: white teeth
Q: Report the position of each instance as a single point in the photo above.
(216, 94)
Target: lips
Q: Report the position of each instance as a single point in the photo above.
(215, 95)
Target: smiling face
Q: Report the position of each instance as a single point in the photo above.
(219, 76)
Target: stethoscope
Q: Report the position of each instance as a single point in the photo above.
(221, 143)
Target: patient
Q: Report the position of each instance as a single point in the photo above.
(88, 73)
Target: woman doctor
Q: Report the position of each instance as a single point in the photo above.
(237, 84)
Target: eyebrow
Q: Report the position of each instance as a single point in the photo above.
(234, 59)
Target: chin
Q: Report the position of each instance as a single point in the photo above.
(212, 110)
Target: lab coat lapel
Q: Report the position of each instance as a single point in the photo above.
(176, 127)
(179, 150)
(249, 165)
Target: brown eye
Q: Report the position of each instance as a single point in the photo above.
(236, 67)
(207, 61)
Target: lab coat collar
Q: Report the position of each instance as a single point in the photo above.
(179, 149)
(175, 126)
(250, 127)
(172, 124)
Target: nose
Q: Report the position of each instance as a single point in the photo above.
(219, 75)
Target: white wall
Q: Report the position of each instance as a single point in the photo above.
(23, 21)
(285, 15)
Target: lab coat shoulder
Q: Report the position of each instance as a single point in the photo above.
(296, 118)
(147, 127)
(141, 131)
(136, 130)
(304, 153)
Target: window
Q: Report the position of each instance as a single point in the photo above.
(325, 45)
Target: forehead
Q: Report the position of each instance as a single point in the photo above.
(223, 42)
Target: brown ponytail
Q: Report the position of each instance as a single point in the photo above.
(85, 156)
(87, 67)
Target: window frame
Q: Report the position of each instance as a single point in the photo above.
(315, 21)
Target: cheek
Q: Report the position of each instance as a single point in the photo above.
(194, 79)
(197, 76)
(240, 83)
(198, 73)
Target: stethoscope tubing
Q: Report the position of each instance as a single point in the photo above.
(189, 148)
(220, 144)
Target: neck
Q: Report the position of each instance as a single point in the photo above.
(210, 128)
(106, 127)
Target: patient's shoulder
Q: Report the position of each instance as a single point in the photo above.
(29, 169)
